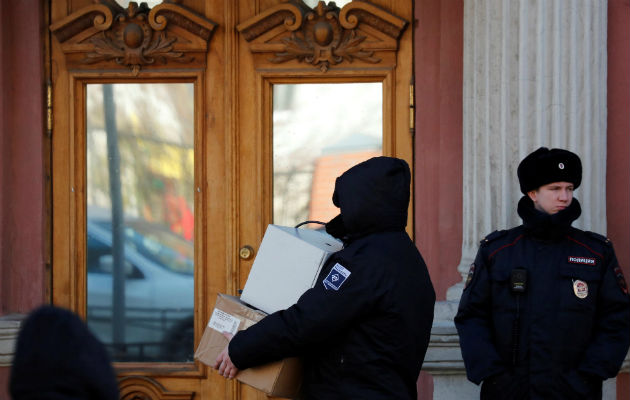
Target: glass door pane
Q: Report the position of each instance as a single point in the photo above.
(140, 219)
(319, 131)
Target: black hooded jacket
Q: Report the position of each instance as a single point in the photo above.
(363, 330)
(572, 316)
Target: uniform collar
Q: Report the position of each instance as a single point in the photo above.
(544, 226)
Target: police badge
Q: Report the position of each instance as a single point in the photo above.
(580, 288)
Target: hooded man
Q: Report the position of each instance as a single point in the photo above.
(364, 328)
(545, 312)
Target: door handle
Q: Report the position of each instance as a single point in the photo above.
(246, 252)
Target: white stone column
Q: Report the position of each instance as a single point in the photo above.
(9, 329)
(534, 75)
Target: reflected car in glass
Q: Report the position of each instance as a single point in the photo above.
(157, 317)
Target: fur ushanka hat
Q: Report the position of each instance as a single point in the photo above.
(545, 166)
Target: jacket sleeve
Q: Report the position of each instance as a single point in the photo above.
(319, 314)
(473, 322)
(609, 346)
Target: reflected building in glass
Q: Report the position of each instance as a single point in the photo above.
(319, 131)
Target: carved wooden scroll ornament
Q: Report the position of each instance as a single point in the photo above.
(143, 388)
(134, 37)
(325, 35)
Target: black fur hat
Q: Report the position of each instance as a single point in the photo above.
(545, 166)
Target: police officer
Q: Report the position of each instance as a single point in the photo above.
(545, 312)
(364, 328)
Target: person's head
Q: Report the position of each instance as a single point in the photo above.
(58, 358)
(549, 177)
(372, 196)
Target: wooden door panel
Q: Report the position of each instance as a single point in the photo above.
(233, 52)
(104, 43)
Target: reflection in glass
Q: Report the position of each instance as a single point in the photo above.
(150, 3)
(140, 219)
(319, 131)
(339, 3)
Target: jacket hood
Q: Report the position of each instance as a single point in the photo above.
(373, 196)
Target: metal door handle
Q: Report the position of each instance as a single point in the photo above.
(246, 252)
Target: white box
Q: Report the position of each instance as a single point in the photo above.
(287, 264)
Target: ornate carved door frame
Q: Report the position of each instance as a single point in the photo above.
(106, 43)
(233, 52)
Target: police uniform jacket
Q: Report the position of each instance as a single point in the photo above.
(364, 328)
(569, 327)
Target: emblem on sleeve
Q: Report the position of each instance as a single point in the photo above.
(336, 277)
(621, 281)
(580, 288)
(471, 272)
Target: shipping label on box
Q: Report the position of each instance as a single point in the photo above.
(288, 262)
(280, 378)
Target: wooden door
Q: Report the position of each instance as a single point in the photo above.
(170, 122)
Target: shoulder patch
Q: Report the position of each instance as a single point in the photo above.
(469, 278)
(621, 280)
(598, 237)
(336, 277)
(492, 237)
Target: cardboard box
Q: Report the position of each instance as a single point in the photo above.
(287, 264)
(280, 378)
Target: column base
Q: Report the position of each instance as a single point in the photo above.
(9, 330)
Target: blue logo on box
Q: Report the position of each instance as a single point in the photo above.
(336, 277)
